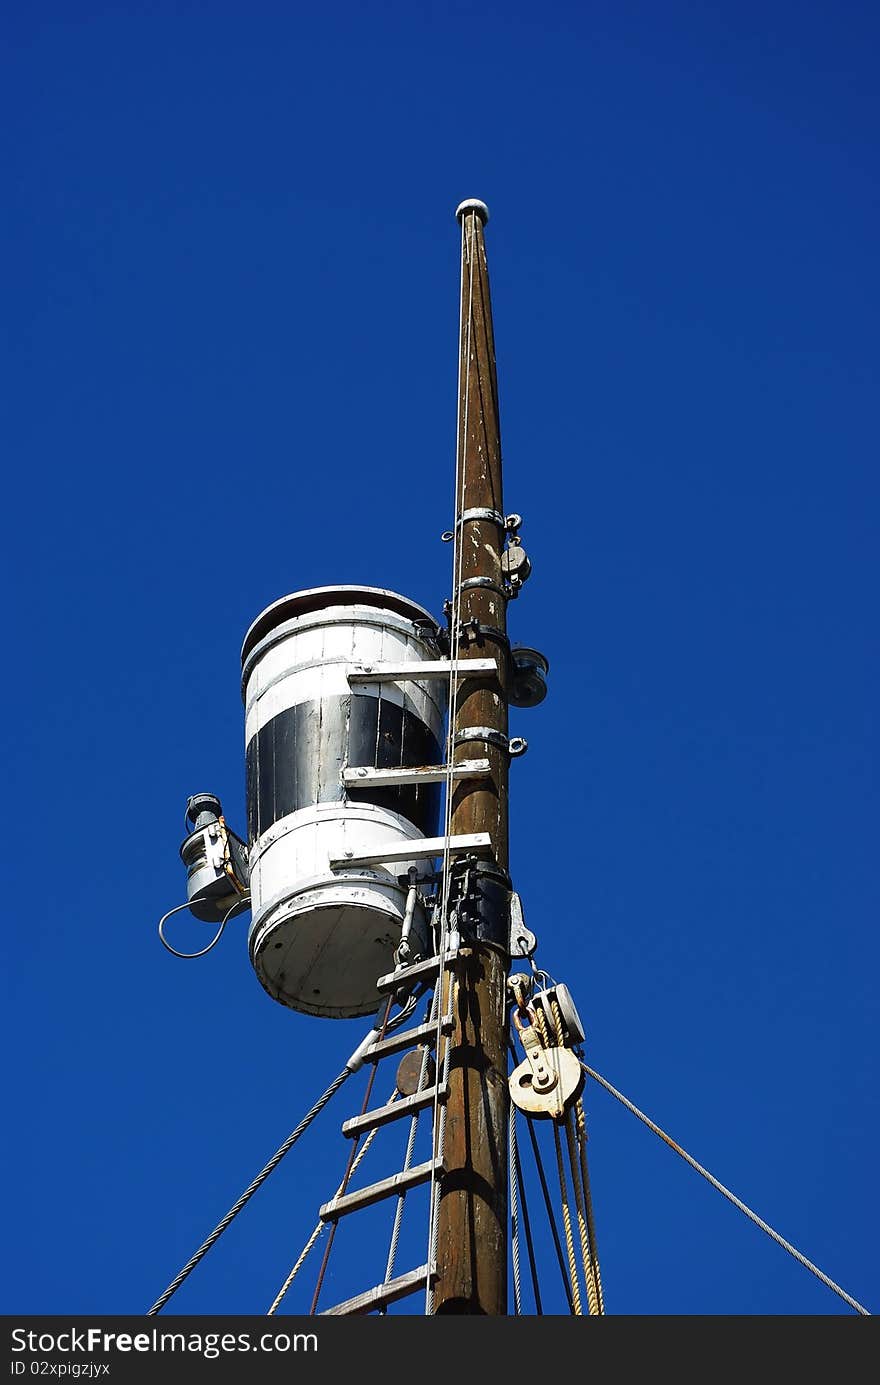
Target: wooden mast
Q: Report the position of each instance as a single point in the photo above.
(472, 1214)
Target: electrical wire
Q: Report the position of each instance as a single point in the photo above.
(242, 902)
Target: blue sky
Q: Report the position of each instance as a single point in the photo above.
(231, 274)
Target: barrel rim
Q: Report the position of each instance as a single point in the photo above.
(316, 598)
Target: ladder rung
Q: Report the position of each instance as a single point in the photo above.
(395, 1110)
(417, 849)
(385, 1293)
(358, 775)
(389, 1187)
(407, 1038)
(419, 971)
(419, 673)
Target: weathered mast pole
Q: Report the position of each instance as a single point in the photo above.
(472, 1214)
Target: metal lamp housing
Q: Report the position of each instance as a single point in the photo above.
(208, 888)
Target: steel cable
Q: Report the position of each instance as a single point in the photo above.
(316, 1233)
(514, 1208)
(350, 1165)
(548, 1206)
(752, 1216)
(410, 1146)
(250, 1190)
(438, 1116)
(579, 1197)
(528, 1230)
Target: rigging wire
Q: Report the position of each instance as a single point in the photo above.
(514, 1208)
(439, 1113)
(774, 1235)
(349, 1168)
(528, 1230)
(273, 1307)
(250, 1190)
(577, 1157)
(410, 1146)
(548, 1206)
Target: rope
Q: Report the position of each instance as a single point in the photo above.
(540, 1022)
(566, 1221)
(586, 1245)
(439, 1123)
(514, 1208)
(586, 1250)
(588, 1198)
(774, 1235)
(249, 1191)
(315, 1234)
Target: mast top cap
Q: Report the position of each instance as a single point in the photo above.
(472, 204)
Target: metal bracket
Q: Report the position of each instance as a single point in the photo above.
(481, 733)
(415, 849)
(479, 903)
(481, 512)
(483, 583)
(513, 746)
(419, 672)
(359, 776)
(523, 942)
(475, 632)
(478, 512)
